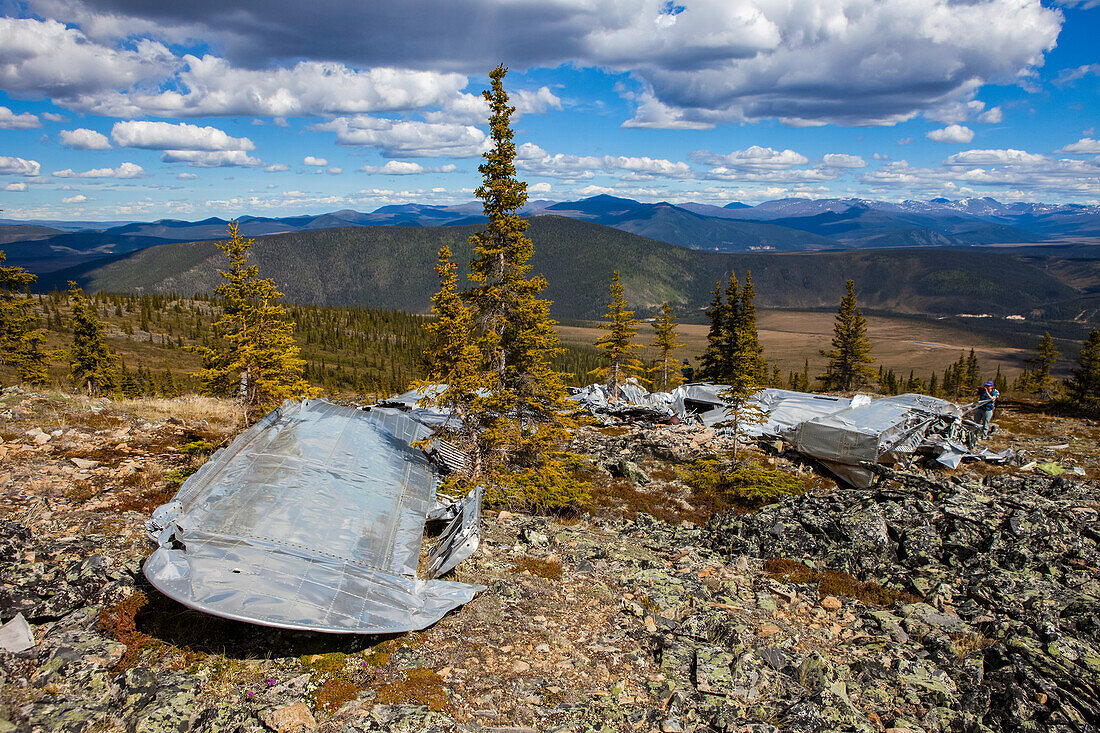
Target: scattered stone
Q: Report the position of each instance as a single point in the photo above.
(290, 719)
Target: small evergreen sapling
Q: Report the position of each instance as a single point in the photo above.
(618, 345)
(666, 339)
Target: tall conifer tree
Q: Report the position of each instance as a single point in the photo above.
(850, 357)
(21, 340)
(454, 359)
(667, 341)
(618, 344)
(711, 361)
(750, 352)
(731, 334)
(518, 338)
(1046, 355)
(91, 362)
(256, 358)
(1084, 382)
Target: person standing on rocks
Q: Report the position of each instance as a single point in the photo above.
(987, 400)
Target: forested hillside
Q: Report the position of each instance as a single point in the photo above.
(347, 350)
(391, 267)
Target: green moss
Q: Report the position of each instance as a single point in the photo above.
(176, 477)
(420, 686)
(332, 684)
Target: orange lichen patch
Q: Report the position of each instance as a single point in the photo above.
(549, 569)
(420, 686)
(835, 583)
(119, 623)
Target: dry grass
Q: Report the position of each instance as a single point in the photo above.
(223, 416)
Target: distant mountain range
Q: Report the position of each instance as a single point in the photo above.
(783, 225)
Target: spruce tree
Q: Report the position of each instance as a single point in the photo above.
(518, 339)
(618, 345)
(748, 338)
(1084, 382)
(744, 380)
(91, 363)
(1040, 380)
(454, 359)
(21, 340)
(850, 356)
(973, 373)
(731, 334)
(667, 341)
(255, 359)
(711, 362)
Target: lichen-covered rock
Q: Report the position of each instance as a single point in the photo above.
(1010, 618)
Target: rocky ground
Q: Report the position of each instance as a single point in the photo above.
(933, 601)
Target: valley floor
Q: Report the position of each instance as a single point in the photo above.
(934, 601)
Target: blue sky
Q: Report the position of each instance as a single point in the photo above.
(140, 109)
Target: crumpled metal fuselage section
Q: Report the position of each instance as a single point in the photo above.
(313, 519)
(881, 431)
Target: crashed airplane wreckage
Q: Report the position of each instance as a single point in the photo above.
(313, 519)
(846, 435)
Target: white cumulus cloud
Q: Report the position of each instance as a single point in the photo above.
(12, 166)
(12, 121)
(395, 168)
(1084, 146)
(78, 199)
(212, 158)
(842, 160)
(753, 157)
(126, 170)
(213, 86)
(310, 160)
(408, 138)
(16, 187)
(994, 157)
(45, 57)
(951, 134)
(84, 139)
(179, 136)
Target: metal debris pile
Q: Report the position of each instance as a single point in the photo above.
(846, 435)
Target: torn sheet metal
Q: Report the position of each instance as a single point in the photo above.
(461, 537)
(311, 519)
(780, 409)
(409, 402)
(632, 395)
(881, 431)
(16, 635)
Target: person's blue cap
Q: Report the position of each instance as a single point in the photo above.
(989, 384)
